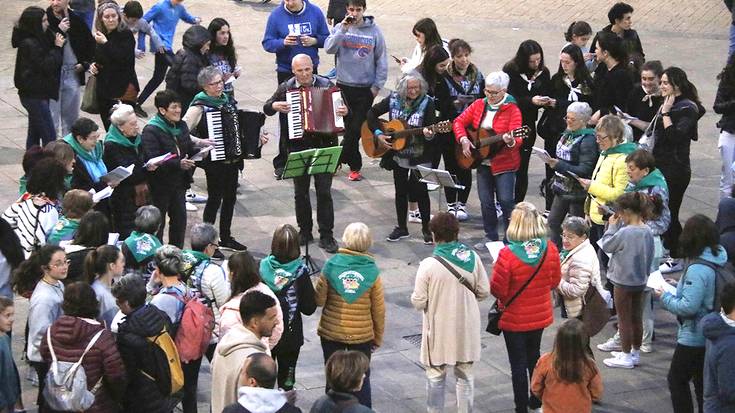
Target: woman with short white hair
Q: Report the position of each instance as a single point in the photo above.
(576, 154)
(122, 148)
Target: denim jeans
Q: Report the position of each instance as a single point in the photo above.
(524, 350)
(40, 124)
(65, 110)
(488, 187)
(732, 40)
(330, 347)
(88, 17)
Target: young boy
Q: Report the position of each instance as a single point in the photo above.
(132, 14)
(76, 203)
(9, 382)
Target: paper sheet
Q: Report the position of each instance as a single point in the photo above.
(103, 194)
(158, 159)
(199, 156)
(657, 282)
(112, 238)
(541, 153)
(494, 248)
(118, 174)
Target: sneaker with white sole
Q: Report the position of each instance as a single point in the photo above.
(195, 198)
(610, 345)
(414, 216)
(191, 207)
(462, 214)
(432, 187)
(646, 348)
(620, 360)
(452, 207)
(671, 265)
(634, 355)
(498, 210)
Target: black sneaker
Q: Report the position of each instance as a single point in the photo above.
(428, 237)
(397, 234)
(328, 244)
(232, 244)
(278, 174)
(218, 255)
(305, 237)
(139, 111)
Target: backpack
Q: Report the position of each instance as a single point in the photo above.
(723, 275)
(194, 329)
(166, 368)
(66, 382)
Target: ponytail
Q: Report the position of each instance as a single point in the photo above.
(97, 261)
(637, 203)
(577, 28)
(30, 271)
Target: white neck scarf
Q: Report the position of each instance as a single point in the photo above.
(573, 91)
(532, 80)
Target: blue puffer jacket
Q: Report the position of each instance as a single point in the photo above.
(719, 376)
(694, 297)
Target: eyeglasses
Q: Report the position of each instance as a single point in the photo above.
(215, 245)
(566, 236)
(602, 137)
(61, 264)
(494, 92)
(217, 83)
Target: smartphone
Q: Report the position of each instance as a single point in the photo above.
(350, 19)
(617, 109)
(572, 174)
(396, 59)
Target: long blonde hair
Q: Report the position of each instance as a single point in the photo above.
(526, 223)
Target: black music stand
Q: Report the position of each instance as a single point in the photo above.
(312, 162)
(439, 177)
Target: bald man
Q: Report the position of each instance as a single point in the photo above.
(304, 77)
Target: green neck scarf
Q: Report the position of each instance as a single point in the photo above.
(654, 178)
(203, 97)
(116, 136)
(95, 155)
(142, 245)
(624, 148)
(276, 275)
(563, 254)
(456, 253)
(529, 251)
(161, 123)
(579, 132)
(194, 258)
(350, 275)
(494, 108)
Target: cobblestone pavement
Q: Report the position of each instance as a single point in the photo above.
(691, 34)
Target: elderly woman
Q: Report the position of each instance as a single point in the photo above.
(496, 175)
(114, 60)
(576, 154)
(221, 175)
(580, 268)
(528, 254)
(411, 104)
(122, 148)
(609, 178)
(350, 287)
(140, 247)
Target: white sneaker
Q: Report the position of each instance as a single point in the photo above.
(462, 214)
(414, 216)
(671, 265)
(620, 360)
(452, 207)
(191, 207)
(634, 355)
(646, 348)
(432, 187)
(610, 345)
(498, 210)
(195, 198)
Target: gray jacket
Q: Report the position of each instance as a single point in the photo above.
(362, 59)
(632, 252)
(44, 310)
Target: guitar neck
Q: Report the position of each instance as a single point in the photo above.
(489, 140)
(409, 132)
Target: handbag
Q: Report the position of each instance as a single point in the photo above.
(457, 275)
(495, 313)
(142, 194)
(550, 125)
(595, 313)
(130, 95)
(89, 99)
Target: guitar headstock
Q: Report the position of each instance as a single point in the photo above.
(521, 132)
(444, 126)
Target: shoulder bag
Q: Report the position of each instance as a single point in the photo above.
(456, 274)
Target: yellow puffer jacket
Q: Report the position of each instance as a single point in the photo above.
(356, 323)
(608, 182)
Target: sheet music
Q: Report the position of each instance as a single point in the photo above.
(118, 174)
(199, 156)
(337, 103)
(541, 153)
(438, 177)
(103, 194)
(159, 159)
(494, 247)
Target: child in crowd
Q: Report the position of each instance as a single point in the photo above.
(9, 382)
(630, 242)
(76, 203)
(567, 379)
(345, 371)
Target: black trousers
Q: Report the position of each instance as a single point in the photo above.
(221, 190)
(550, 147)
(447, 149)
(524, 350)
(522, 173)
(687, 365)
(191, 379)
(286, 360)
(407, 186)
(105, 106)
(41, 368)
(173, 203)
(280, 160)
(324, 204)
(161, 65)
(359, 100)
(331, 347)
(677, 178)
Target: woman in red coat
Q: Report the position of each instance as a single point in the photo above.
(496, 175)
(523, 322)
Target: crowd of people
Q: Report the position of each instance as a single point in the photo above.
(84, 242)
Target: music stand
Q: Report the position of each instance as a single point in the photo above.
(439, 177)
(312, 162)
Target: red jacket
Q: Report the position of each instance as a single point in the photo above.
(508, 118)
(69, 336)
(532, 309)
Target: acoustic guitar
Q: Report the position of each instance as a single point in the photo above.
(483, 139)
(398, 133)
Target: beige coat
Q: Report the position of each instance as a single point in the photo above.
(578, 269)
(451, 326)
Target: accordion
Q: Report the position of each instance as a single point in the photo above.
(250, 125)
(223, 128)
(314, 110)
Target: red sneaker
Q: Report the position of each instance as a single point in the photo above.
(355, 176)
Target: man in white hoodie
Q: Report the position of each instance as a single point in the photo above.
(259, 316)
(256, 394)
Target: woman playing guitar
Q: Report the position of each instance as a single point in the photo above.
(410, 104)
(499, 112)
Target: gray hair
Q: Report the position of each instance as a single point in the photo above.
(202, 235)
(576, 225)
(148, 219)
(130, 288)
(582, 110)
(206, 75)
(169, 260)
(121, 113)
(499, 79)
(402, 86)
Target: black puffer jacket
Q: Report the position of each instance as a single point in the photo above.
(122, 201)
(79, 37)
(142, 394)
(116, 62)
(182, 77)
(168, 176)
(37, 66)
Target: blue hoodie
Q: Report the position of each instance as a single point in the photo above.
(309, 21)
(695, 295)
(165, 16)
(719, 376)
